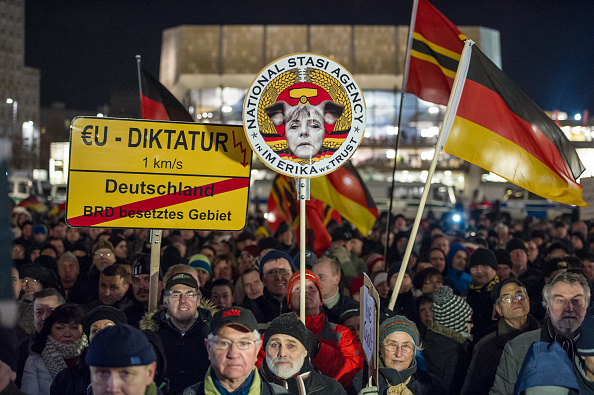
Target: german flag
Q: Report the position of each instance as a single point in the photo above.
(499, 128)
(282, 204)
(345, 191)
(434, 55)
(158, 103)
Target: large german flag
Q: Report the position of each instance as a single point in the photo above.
(434, 55)
(158, 103)
(498, 128)
(345, 191)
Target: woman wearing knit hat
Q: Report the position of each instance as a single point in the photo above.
(398, 372)
(447, 339)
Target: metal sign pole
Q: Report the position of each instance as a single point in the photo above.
(155, 262)
(303, 196)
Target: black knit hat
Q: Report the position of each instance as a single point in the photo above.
(269, 243)
(120, 346)
(496, 292)
(482, 256)
(341, 234)
(36, 272)
(274, 255)
(450, 310)
(103, 313)
(349, 310)
(503, 257)
(288, 324)
(515, 244)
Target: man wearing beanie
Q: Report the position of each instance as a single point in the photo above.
(566, 299)
(483, 269)
(337, 353)
(182, 327)
(399, 373)
(447, 339)
(141, 272)
(530, 277)
(513, 306)
(276, 267)
(122, 360)
(288, 345)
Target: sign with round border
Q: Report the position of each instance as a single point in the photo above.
(304, 115)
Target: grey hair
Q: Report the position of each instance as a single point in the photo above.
(566, 277)
(255, 332)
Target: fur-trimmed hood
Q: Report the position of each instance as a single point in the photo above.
(448, 332)
(152, 319)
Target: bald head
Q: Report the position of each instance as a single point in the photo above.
(327, 270)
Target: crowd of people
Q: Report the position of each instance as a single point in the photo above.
(503, 308)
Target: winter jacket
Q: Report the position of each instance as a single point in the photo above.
(36, 377)
(266, 308)
(515, 352)
(460, 279)
(333, 314)
(479, 298)
(187, 359)
(446, 356)
(207, 386)
(307, 382)
(73, 380)
(339, 356)
(586, 386)
(421, 382)
(150, 390)
(486, 355)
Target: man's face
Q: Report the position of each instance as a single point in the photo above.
(357, 246)
(459, 260)
(353, 324)
(30, 286)
(112, 289)
(567, 307)
(222, 296)
(401, 358)
(223, 270)
(588, 267)
(517, 308)
(121, 250)
(532, 250)
(182, 309)
(42, 308)
(313, 302)
(207, 252)
(400, 224)
(561, 232)
(437, 259)
(59, 230)
(141, 286)
(426, 313)
(432, 283)
(99, 325)
(130, 380)
(18, 252)
(519, 259)
(482, 274)
(72, 235)
(233, 363)
(276, 276)
(68, 270)
(16, 283)
(253, 285)
(305, 136)
(285, 355)
(442, 243)
(328, 279)
(246, 261)
(94, 232)
(103, 257)
(503, 272)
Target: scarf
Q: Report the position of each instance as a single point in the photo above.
(568, 344)
(400, 389)
(212, 385)
(487, 287)
(55, 353)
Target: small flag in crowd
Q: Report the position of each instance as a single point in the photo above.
(158, 103)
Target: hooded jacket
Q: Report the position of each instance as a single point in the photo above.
(266, 308)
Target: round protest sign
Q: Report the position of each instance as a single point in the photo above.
(304, 115)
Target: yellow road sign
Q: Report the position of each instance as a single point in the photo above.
(128, 173)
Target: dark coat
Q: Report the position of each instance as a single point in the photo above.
(333, 314)
(187, 358)
(421, 382)
(446, 355)
(73, 380)
(482, 308)
(307, 382)
(266, 308)
(265, 389)
(486, 355)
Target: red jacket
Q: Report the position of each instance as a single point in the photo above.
(340, 356)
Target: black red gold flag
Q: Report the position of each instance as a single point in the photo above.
(158, 103)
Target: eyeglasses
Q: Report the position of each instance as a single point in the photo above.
(187, 295)
(226, 344)
(31, 280)
(102, 254)
(405, 348)
(282, 272)
(509, 298)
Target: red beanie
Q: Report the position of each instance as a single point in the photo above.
(295, 278)
(356, 285)
(372, 260)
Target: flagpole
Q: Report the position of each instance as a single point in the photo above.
(303, 196)
(441, 139)
(411, 29)
(139, 82)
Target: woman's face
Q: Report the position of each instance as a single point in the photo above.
(223, 270)
(99, 325)
(121, 250)
(66, 333)
(432, 283)
(459, 260)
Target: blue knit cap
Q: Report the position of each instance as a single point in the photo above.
(274, 255)
(398, 323)
(200, 261)
(120, 346)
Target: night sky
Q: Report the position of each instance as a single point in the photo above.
(86, 49)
